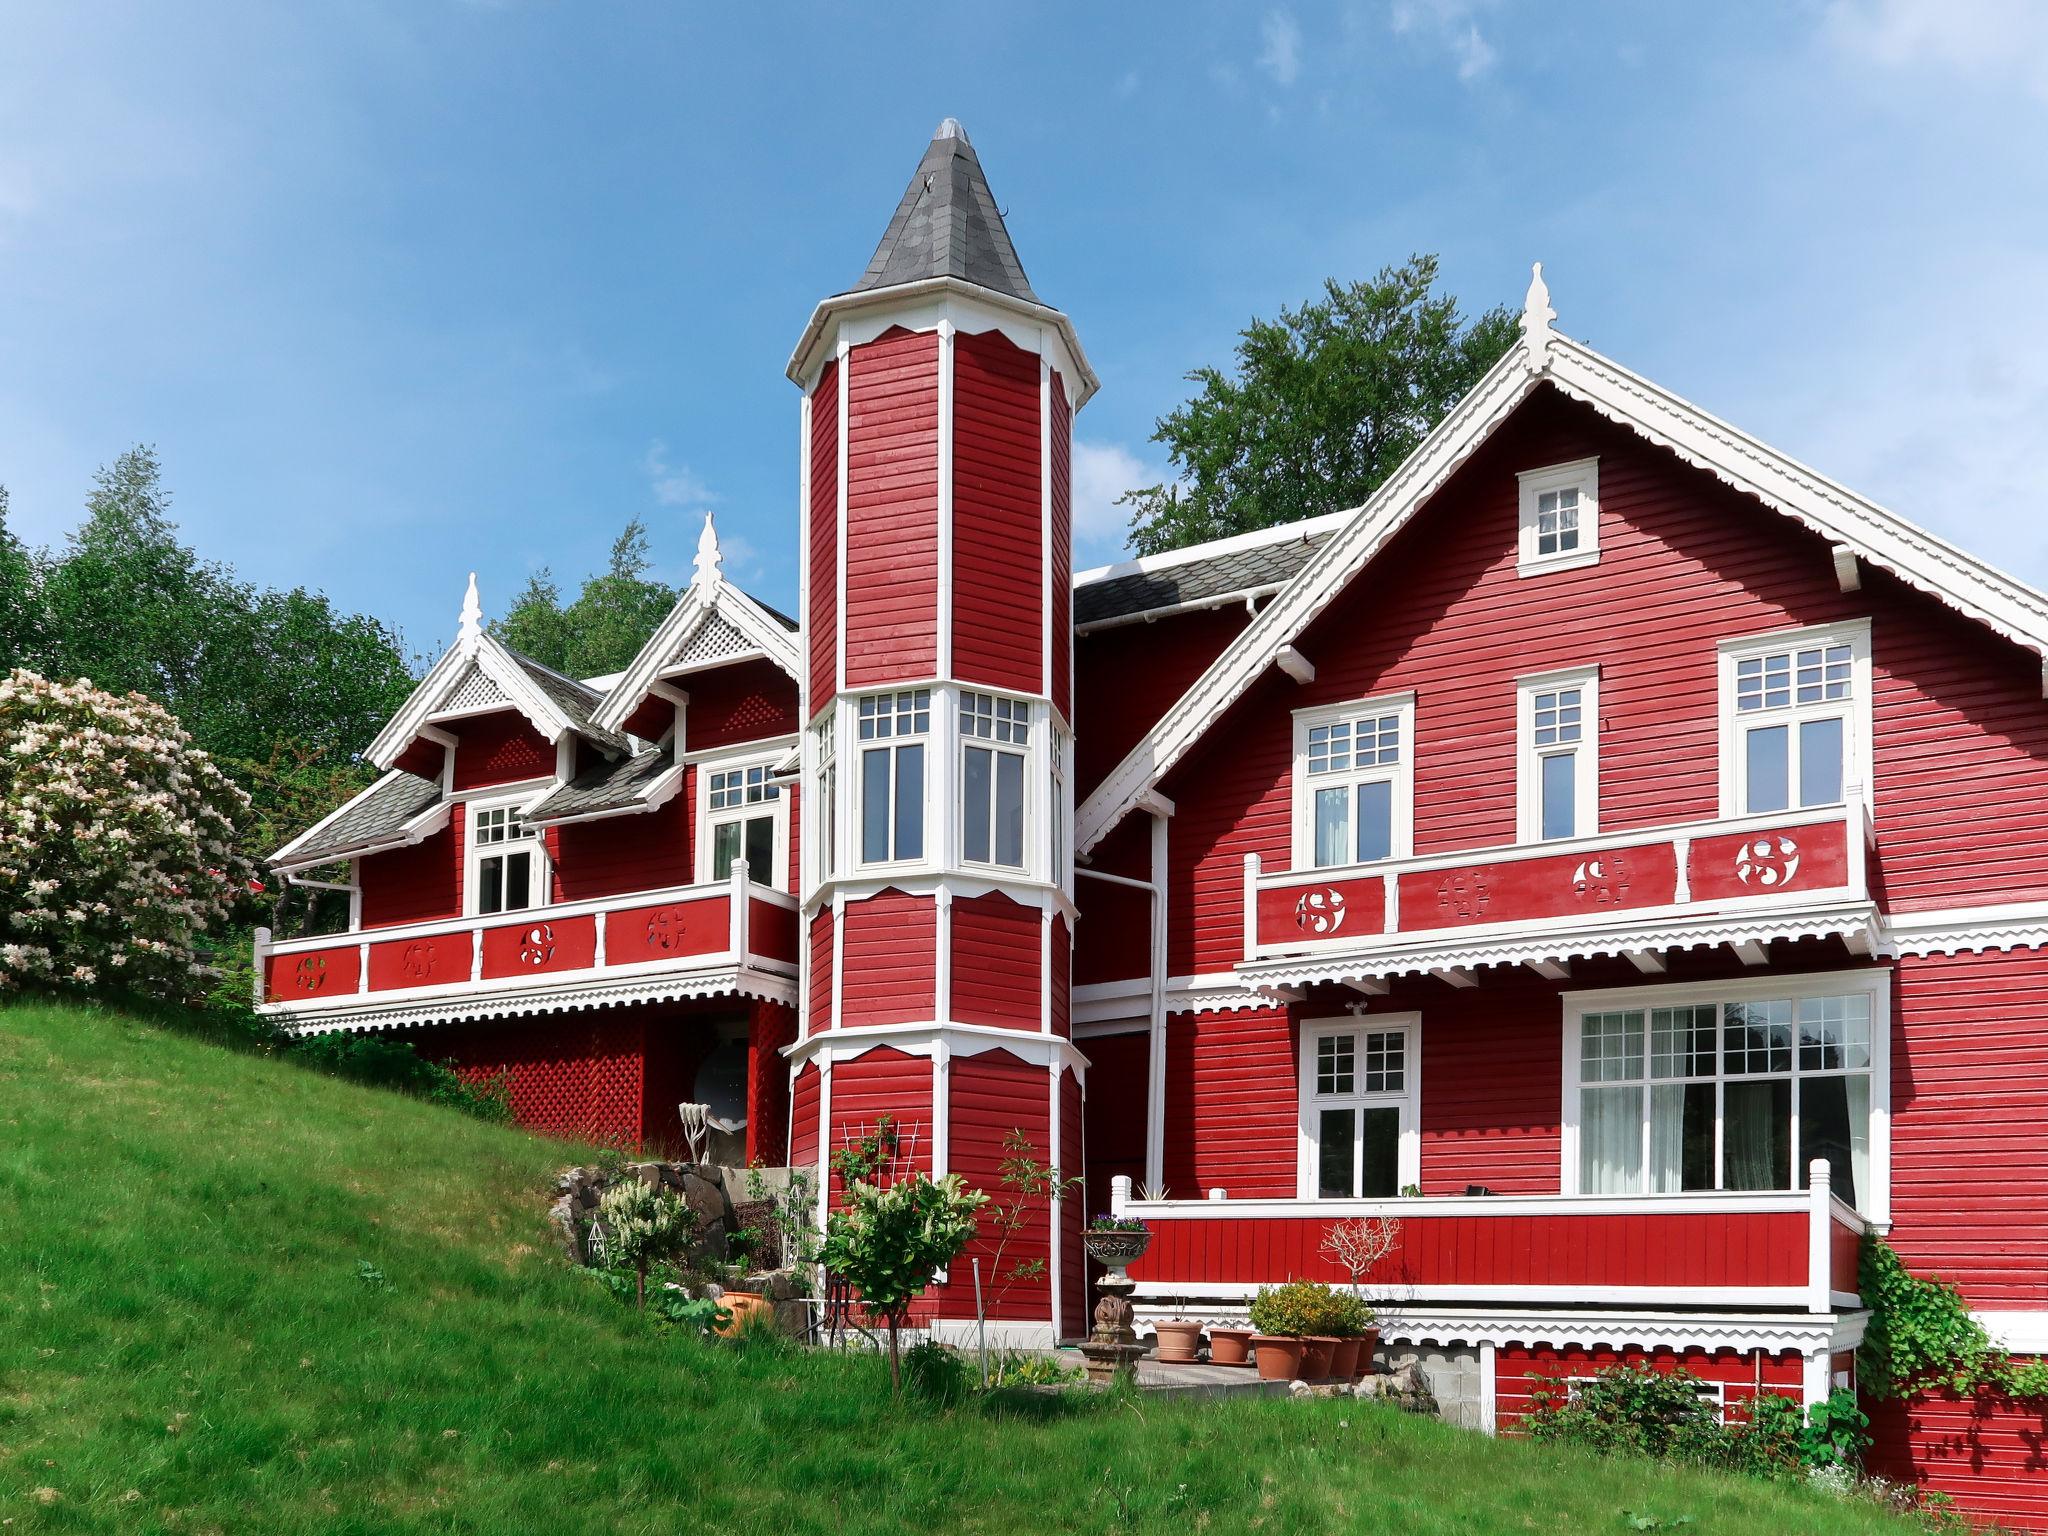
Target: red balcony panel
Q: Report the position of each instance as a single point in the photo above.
(1845, 1257)
(1520, 890)
(312, 973)
(637, 935)
(771, 930)
(1332, 910)
(540, 945)
(435, 960)
(1809, 857)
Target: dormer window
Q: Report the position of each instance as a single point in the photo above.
(1560, 517)
(743, 817)
(508, 862)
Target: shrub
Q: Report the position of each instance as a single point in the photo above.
(1347, 1316)
(889, 1241)
(1299, 1307)
(1108, 1223)
(382, 1062)
(117, 843)
(643, 1226)
(935, 1373)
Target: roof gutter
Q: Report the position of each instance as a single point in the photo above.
(1249, 596)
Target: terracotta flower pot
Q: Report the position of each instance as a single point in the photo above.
(1279, 1356)
(1315, 1356)
(1368, 1346)
(743, 1305)
(1230, 1346)
(1344, 1359)
(1178, 1342)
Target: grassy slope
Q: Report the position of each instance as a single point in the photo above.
(186, 1345)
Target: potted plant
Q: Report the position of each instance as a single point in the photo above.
(1179, 1340)
(1230, 1346)
(1352, 1322)
(1283, 1316)
(1115, 1241)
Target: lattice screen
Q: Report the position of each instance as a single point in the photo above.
(578, 1080)
(714, 638)
(475, 691)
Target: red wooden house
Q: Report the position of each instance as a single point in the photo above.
(1614, 849)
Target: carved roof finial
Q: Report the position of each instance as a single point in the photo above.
(1537, 313)
(710, 562)
(472, 612)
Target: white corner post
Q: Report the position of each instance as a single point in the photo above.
(261, 954)
(1820, 1231)
(738, 915)
(1119, 1194)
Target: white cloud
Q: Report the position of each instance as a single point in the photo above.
(1102, 473)
(675, 485)
(1281, 56)
(1127, 85)
(1985, 39)
(1450, 25)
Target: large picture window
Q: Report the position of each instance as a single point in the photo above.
(893, 729)
(1794, 719)
(1739, 1087)
(994, 735)
(1360, 1083)
(1353, 782)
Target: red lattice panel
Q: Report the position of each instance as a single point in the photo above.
(568, 1077)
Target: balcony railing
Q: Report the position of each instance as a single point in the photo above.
(1724, 880)
(1790, 1250)
(690, 940)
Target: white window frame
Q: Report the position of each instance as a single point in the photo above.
(1408, 1154)
(708, 820)
(1581, 475)
(822, 810)
(1854, 712)
(854, 748)
(1400, 774)
(1529, 754)
(1024, 727)
(1875, 984)
(540, 873)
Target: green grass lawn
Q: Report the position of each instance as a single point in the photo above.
(188, 1343)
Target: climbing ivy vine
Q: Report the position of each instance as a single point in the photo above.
(1921, 1334)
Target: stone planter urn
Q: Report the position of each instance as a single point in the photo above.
(1113, 1347)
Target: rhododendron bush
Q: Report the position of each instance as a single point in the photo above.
(116, 842)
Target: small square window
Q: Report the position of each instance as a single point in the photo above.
(1560, 517)
(1611, 1047)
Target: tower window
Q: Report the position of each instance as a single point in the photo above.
(893, 728)
(993, 736)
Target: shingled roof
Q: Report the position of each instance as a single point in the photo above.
(948, 225)
(605, 786)
(1249, 564)
(373, 819)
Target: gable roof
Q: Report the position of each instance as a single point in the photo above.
(948, 225)
(642, 782)
(1858, 528)
(712, 623)
(399, 808)
(1202, 575)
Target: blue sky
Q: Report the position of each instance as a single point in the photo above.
(403, 289)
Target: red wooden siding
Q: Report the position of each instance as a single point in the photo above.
(1970, 1123)
(892, 508)
(1491, 1065)
(991, 1094)
(1073, 1216)
(822, 621)
(1672, 1248)
(1062, 974)
(771, 929)
(820, 1012)
(1114, 1112)
(771, 1028)
(740, 703)
(540, 946)
(626, 853)
(1685, 562)
(1520, 1371)
(997, 950)
(998, 515)
(1127, 677)
(803, 1117)
(888, 951)
(1230, 1118)
(1114, 939)
(499, 748)
(578, 1076)
(885, 1081)
(1062, 456)
(1988, 1453)
(416, 884)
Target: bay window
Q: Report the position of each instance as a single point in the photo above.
(1360, 1083)
(1795, 710)
(995, 735)
(824, 832)
(893, 729)
(1558, 727)
(507, 866)
(1353, 782)
(1729, 1086)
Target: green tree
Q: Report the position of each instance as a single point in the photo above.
(889, 1241)
(20, 596)
(643, 1226)
(604, 628)
(1323, 405)
(535, 625)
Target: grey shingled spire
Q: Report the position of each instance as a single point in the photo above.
(948, 226)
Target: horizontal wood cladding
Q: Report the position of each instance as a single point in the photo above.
(1673, 1248)
(1970, 1123)
(1230, 1093)
(1114, 1112)
(1521, 1372)
(1685, 562)
(821, 620)
(626, 853)
(819, 1013)
(998, 515)
(730, 706)
(892, 508)
(416, 884)
(990, 1095)
(1061, 972)
(1062, 458)
(885, 1081)
(803, 1117)
(499, 748)
(1988, 1453)
(997, 950)
(1129, 676)
(889, 952)
(1492, 1060)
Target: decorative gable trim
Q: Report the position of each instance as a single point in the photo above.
(1849, 522)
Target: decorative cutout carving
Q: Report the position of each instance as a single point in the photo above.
(312, 973)
(1771, 863)
(1602, 880)
(1320, 911)
(538, 946)
(665, 929)
(417, 959)
(1462, 893)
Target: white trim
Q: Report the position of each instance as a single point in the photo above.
(1489, 1387)
(1158, 1040)
(923, 1037)
(1855, 713)
(481, 649)
(2024, 1333)
(1585, 753)
(2000, 927)
(947, 577)
(1581, 475)
(1258, 538)
(843, 376)
(1874, 1203)
(705, 601)
(1407, 1100)
(1400, 775)
(1766, 1296)
(1048, 620)
(706, 820)
(1115, 1007)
